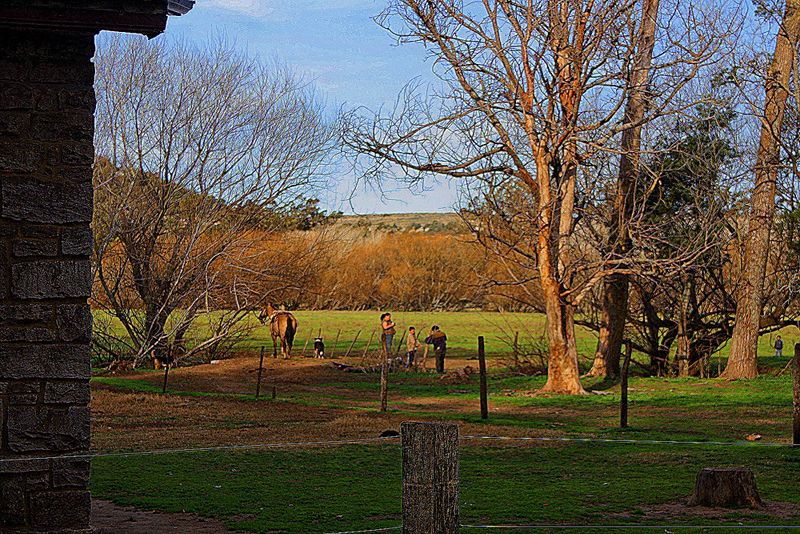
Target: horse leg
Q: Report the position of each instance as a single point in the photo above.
(274, 347)
(284, 347)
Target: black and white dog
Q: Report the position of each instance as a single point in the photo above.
(319, 348)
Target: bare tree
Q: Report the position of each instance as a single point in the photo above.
(615, 293)
(531, 92)
(196, 148)
(743, 361)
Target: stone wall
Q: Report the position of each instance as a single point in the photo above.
(46, 128)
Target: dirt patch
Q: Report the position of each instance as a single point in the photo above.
(681, 511)
(110, 518)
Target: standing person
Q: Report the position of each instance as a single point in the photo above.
(388, 332)
(412, 344)
(779, 347)
(438, 339)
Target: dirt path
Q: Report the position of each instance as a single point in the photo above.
(109, 518)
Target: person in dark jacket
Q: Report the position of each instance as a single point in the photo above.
(438, 339)
(779, 347)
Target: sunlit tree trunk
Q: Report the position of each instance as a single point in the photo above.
(743, 360)
(563, 375)
(616, 286)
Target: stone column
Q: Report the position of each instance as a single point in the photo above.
(46, 152)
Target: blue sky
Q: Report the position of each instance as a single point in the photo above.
(335, 43)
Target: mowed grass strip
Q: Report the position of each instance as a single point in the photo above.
(462, 328)
(357, 487)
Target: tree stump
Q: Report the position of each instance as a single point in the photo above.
(733, 487)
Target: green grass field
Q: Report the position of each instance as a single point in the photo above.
(462, 329)
(358, 487)
(351, 487)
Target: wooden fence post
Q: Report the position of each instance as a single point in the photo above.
(796, 402)
(430, 478)
(302, 354)
(166, 375)
(482, 366)
(623, 401)
(260, 369)
(385, 380)
(350, 349)
(402, 338)
(516, 348)
(333, 347)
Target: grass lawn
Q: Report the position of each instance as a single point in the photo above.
(359, 487)
(462, 329)
(350, 487)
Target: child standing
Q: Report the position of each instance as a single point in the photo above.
(412, 344)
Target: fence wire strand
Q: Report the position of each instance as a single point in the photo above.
(357, 441)
(384, 529)
(632, 441)
(630, 527)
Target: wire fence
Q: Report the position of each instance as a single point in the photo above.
(362, 441)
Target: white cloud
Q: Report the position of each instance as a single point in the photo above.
(253, 8)
(284, 8)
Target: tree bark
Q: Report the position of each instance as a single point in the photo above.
(155, 326)
(616, 287)
(726, 488)
(563, 375)
(743, 361)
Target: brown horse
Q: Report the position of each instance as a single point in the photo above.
(283, 325)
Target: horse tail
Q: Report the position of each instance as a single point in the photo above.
(291, 330)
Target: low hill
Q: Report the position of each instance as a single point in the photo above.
(449, 223)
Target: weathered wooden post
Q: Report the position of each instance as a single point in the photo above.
(516, 348)
(385, 380)
(166, 376)
(623, 402)
(482, 366)
(402, 338)
(350, 349)
(260, 370)
(366, 349)
(430, 478)
(305, 346)
(333, 347)
(796, 378)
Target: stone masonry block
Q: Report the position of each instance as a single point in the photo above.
(75, 392)
(35, 247)
(68, 362)
(53, 203)
(17, 314)
(30, 334)
(51, 279)
(12, 501)
(74, 322)
(77, 241)
(48, 428)
(71, 473)
(60, 509)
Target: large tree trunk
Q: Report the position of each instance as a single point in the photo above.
(615, 297)
(743, 361)
(155, 328)
(684, 344)
(563, 375)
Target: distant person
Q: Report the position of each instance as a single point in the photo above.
(438, 339)
(388, 332)
(412, 344)
(779, 347)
